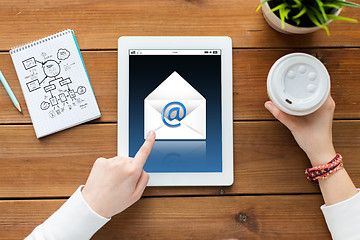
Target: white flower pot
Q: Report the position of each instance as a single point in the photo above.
(275, 22)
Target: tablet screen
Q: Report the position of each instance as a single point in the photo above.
(176, 93)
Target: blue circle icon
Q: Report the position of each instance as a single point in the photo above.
(177, 115)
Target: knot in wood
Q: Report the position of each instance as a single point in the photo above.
(242, 217)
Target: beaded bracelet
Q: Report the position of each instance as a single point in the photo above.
(338, 167)
(324, 171)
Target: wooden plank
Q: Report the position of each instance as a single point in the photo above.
(99, 24)
(268, 217)
(249, 83)
(60, 160)
(251, 68)
(267, 160)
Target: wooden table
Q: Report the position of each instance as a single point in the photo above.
(270, 198)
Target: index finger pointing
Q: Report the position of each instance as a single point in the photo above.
(144, 151)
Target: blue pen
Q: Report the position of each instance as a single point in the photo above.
(10, 92)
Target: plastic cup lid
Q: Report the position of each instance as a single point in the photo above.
(298, 84)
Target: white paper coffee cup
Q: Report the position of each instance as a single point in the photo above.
(298, 84)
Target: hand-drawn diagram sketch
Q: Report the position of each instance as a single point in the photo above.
(48, 76)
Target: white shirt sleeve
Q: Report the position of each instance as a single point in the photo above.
(343, 218)
(75, 219)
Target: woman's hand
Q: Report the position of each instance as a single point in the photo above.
(115, 184)
(312, 132)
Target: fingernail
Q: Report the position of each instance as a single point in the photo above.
(151, 134)
(268, 106)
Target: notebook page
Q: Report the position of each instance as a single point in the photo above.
(55, 83)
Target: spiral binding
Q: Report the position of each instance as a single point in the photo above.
(39, 41)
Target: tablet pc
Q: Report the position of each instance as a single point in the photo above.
(180, 87)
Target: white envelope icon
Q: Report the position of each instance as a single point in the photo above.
(175, 110)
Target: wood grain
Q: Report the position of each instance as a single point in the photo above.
(267, 160)
(98, 24)
(251, 67)
(268, 217)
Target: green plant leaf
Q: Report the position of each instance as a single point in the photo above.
(286, 13)
(312, 17)
(302, 12)
(297, 4)
(334, 17)
(262, 3)
(318, 15)
(280, 6)
(283, 12)
(315, 10)
(282, 17)
(346, 3)
(331, 5)
(297, 21)
(322, 10)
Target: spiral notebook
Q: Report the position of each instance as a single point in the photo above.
(55, 83)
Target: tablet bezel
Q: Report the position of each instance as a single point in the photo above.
(224, 178)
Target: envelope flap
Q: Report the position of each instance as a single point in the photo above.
(175, 88)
